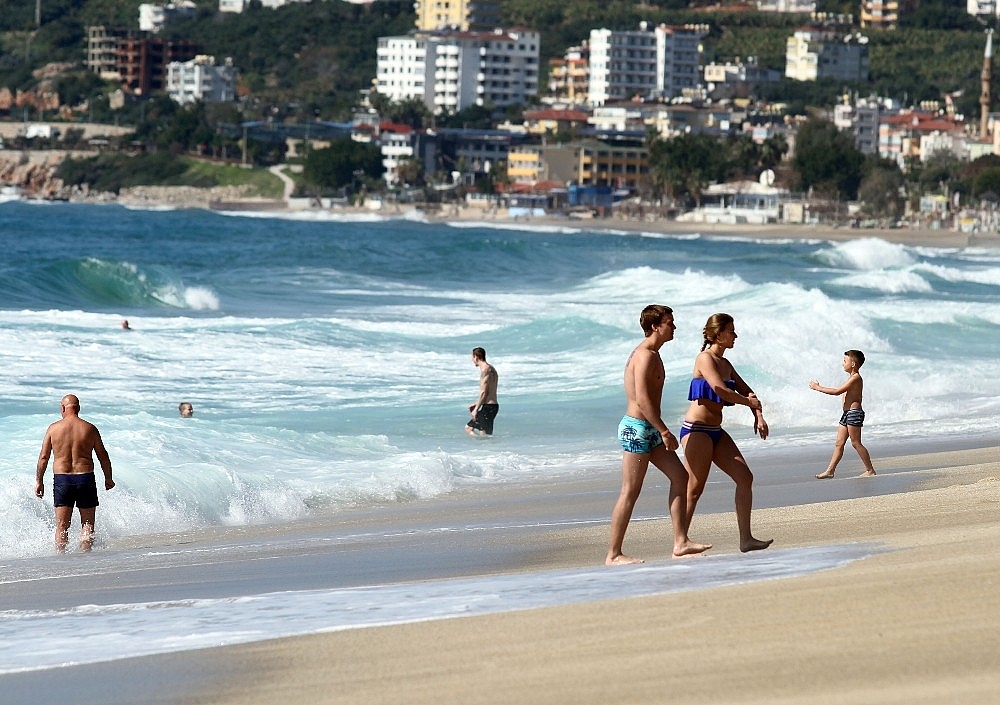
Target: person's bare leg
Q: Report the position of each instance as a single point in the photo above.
(633, 473)
(855, 432)
(838, 453)
(670, 465)
(731, 461)
(64, 517)
(698, 456)
(87, 517)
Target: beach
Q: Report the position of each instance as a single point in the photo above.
(914, 625)
(321, 531)
(910, 623)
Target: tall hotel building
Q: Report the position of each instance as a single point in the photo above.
(644, 64)
(452, 70)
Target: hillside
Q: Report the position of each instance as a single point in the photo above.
(309, 60)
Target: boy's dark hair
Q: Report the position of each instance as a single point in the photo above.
(857, 356)
(653, 316)
(479, 354)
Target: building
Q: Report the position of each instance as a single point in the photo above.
(644, 64)
(583, 163)
(396, 143)
(983, 9)
(142, 61)
(138, 62)
(885, 14)
(153, 18)
(200, 79)
(862, 118)
(790, 6)
(450, 71)
(814, 53)
(551, 121)
(916, 135)
(102, 51)
(737, 79)
(463, 15)
(569, 76)
(236, 6)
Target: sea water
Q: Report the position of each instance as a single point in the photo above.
(328, 359)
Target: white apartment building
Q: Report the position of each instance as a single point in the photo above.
(793, 6)
(822, 53)
(396, 147)
(450, 71)
(644, 64)
(402, 69)
(982, 8)
(240, 5)
(153, 18)
(200, 79)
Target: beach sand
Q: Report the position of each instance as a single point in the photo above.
(913, 624)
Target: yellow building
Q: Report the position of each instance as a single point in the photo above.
(590, 163)
(463, 15)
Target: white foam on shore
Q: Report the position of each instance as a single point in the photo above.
(144, 629)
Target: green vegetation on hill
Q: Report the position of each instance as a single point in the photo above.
(309, 60)
(114, 171)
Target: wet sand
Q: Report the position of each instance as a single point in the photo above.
(915, 624)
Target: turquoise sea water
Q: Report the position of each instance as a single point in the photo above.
(328, 359)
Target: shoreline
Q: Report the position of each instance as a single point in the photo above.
(797, 638)
(235, 201)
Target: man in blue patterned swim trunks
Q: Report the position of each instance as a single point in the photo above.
(644, 438)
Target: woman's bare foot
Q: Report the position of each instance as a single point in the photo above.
(690, 548)
(867, 473)
(754, 545)
(825, 475)
(622, 559)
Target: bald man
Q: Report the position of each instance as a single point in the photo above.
(74, 442)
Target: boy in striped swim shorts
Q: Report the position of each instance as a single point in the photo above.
(853, 417)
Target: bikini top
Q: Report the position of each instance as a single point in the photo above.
(701, 389)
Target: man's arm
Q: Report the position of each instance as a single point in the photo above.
(649, 387)
(43, 464)
(104, 459)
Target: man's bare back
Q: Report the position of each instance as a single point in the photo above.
(74, 442)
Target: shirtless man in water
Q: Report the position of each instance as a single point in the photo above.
(74, 442)
(484, 411)
(645, 438)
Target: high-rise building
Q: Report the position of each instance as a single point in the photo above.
(450, 71)
(644, 64)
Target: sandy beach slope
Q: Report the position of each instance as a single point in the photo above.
(913, 624)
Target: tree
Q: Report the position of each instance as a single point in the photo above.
(827, 161)
(879, 191)
(344, 163)
(686, 164)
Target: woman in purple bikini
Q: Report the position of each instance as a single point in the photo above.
(714, 385)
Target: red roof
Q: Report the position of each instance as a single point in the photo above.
(558, 115)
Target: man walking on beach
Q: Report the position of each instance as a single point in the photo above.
(74, 442)
(645, 438)
(484, 411)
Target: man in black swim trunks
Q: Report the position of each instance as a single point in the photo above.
(484, 411)
(74, 443)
